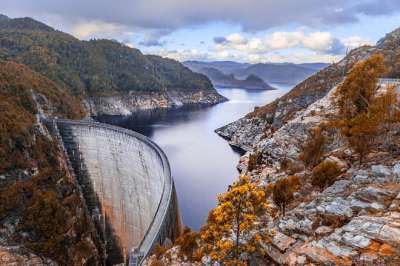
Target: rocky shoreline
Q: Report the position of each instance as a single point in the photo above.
(135, 101)
(355, 221)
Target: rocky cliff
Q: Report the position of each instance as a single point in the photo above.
(263, 121)
(354, 221)
(43, 216)
(140, 101)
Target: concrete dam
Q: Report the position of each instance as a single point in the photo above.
(126, 182)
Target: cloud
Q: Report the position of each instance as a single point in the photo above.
(320, 42)
(94, 28)
(151, 39)
(154, 38)
(151, 20)
(294, 57)
(219, 39)
(283, 40)
(355, 41)
(296, 47)
(323, 42)
(252, 15)
(236, 38)
(182, 55)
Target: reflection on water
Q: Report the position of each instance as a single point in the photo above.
(202, 163)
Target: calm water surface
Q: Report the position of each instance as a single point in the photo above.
(202, 163)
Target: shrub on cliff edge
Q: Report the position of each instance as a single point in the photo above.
(325, 174)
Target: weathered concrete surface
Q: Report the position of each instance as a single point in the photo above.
(127, 185)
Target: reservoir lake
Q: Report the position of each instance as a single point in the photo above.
(202, 163)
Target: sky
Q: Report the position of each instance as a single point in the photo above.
(253, 31)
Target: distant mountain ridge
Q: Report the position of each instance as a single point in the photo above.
(286, 73)
(226, 67)
(3, 17)
(222, 80)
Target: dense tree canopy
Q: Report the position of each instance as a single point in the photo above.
(96, 67)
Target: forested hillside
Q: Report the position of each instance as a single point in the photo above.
(43, 218)
(91, 68)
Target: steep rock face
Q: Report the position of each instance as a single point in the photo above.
(355, 221)
(43, 217)
(274, 115)
(138, 101)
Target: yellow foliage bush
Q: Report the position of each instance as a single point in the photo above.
(228, 232)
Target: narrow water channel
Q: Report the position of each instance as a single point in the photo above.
(202, 163)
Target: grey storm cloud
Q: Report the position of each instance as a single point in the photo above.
(153, 42)
(252, 15)
(154, 38)
(220, 39)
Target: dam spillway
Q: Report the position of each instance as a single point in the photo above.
(127, 185)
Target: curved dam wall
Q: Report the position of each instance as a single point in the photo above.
(127, 185)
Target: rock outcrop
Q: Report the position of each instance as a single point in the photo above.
(356, 220)
(139, 101)
(43, 216)
(266, 119)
